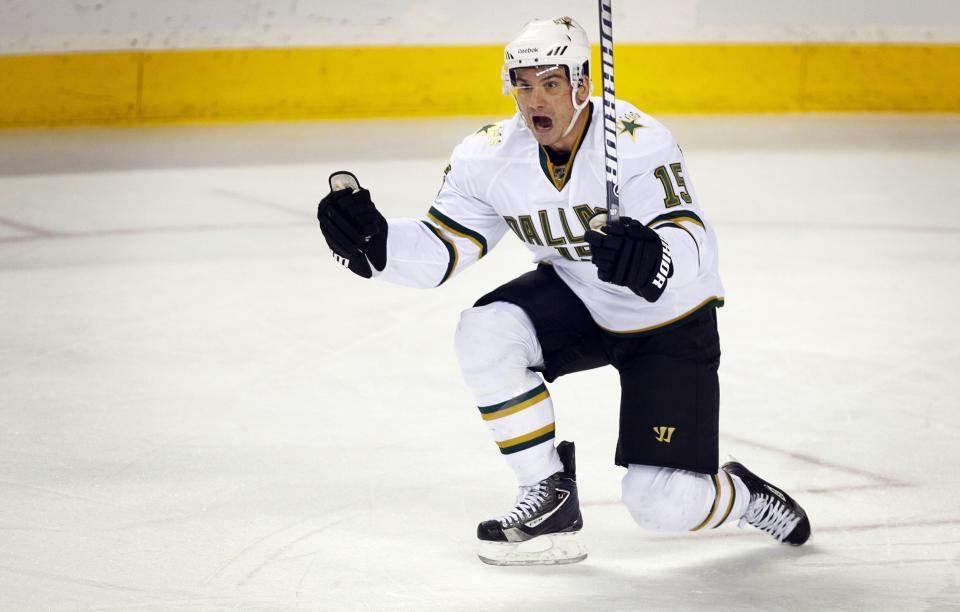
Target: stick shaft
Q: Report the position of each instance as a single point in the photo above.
(609, 110)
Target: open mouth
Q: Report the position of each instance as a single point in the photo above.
(541, 123)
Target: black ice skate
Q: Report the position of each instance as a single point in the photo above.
(543, 528)
(771, 509)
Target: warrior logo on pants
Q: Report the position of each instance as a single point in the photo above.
(664, 433)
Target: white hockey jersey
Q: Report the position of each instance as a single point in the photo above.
(500, 179)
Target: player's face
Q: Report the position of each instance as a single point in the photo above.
(543, 96)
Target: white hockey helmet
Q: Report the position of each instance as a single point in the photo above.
(549, 42)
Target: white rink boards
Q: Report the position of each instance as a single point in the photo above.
(202, 411)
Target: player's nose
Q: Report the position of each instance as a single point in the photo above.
(535, 105)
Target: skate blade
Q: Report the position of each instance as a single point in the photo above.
(549, 549)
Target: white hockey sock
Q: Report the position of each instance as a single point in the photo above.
(667, 499)
(740, 502)
(496, 346)
(522, 424)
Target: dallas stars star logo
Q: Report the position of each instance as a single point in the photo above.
(629, 124)
(492, 132)
(564, 21)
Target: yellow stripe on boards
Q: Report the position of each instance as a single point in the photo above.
(324, 83)
(882, 78)
(527, 437)
(710, 78)
(69, 88)
(340, 83)
(536, 399)
(251, 84)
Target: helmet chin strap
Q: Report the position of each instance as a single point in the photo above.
(578, 108)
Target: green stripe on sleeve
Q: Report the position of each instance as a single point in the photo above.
(677, 215)
(680, 227)
(451, 225)
(451, 251)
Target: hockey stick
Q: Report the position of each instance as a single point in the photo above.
(609, 110)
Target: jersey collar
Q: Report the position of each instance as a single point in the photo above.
(559, 174)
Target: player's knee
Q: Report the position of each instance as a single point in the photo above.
(664, 499)
(494, 343)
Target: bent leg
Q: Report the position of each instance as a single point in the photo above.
(667, 499)
(669, 421)
(529, 326)
(496, 346)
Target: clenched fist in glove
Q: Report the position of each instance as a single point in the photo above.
(355, 230)
(630, 254)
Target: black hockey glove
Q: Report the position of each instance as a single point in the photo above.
(355, 230)
(630, 254)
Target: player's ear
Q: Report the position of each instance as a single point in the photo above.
(583, 92)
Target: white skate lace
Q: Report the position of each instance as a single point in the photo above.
(529, 501)
(769, 514)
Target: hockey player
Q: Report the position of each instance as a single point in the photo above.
(639, 294)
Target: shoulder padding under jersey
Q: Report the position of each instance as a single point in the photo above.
(493, 140)
(640, 136)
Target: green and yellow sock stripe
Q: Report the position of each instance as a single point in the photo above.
(713, 508)
(679, 216)
(451, 251)
(514, 405)
(457, 229)
(716, 502)
(733, 496)
(515, 445)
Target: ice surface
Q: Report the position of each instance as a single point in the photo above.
(202, 411)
